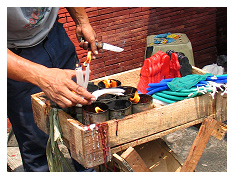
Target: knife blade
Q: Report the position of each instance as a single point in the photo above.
(107, 46)
(102, 45)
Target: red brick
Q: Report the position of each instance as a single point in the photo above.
(110, 10)
(71, 32)
(69, 19)
(69, 24)
(92, 13)
(122, 12)
(128, 27)
(71, 28)
(62, 10)
(88, 9)
(61, 15)
(62, 20)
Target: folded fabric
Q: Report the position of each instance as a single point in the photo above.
(186, 82)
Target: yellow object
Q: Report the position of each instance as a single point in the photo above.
(173, 36)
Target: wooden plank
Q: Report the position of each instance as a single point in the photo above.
(39, 112)
(134, 160)
(219, 131)
(124, 166)
(221, 107)
(199, 71)
(154, 136)
(198, 145)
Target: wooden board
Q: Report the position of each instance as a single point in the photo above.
(149, 122)
(134, 160)
(221, 107)
(133, 129)
(199, 145)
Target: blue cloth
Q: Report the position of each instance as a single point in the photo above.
(56, 51)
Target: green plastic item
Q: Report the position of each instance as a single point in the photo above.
(173, 93)
(181, 44)
(162, 99)
(170, 97)
(186, 82)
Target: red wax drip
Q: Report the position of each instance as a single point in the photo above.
(102, 128)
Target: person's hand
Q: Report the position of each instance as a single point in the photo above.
(85, 31)
(57, 84)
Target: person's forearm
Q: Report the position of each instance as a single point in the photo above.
(57, 84)
(21, 69)
(78, 14)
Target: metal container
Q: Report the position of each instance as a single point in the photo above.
(76, 113)
(91, 117)
(92, 87)
(119, 108)
(129, 92)
(102, 85)
(145, 103)
(105, 98)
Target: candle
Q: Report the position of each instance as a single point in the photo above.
(87, 76)
(86, 63)
(79, 76)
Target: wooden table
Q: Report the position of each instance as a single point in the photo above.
(139, 128)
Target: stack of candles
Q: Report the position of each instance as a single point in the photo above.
(79, 73)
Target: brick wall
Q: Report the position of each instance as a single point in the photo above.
(221, 30)
(128, 27)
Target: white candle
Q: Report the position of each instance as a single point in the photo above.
(79, 79)
(79, 76)
(86, 76)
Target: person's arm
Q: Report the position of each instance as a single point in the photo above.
(83, 28)
(56, 83)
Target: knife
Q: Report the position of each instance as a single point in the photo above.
(106, 46)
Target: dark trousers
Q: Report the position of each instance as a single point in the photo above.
(56, 51)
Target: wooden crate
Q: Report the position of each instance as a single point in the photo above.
(132, 130)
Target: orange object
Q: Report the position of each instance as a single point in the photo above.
(136, 98)
(109, 83)
(113, 83)
(98, 109)
(88, 60)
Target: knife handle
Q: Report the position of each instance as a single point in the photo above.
(98, 44)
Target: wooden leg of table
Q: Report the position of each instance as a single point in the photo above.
(199, 145)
